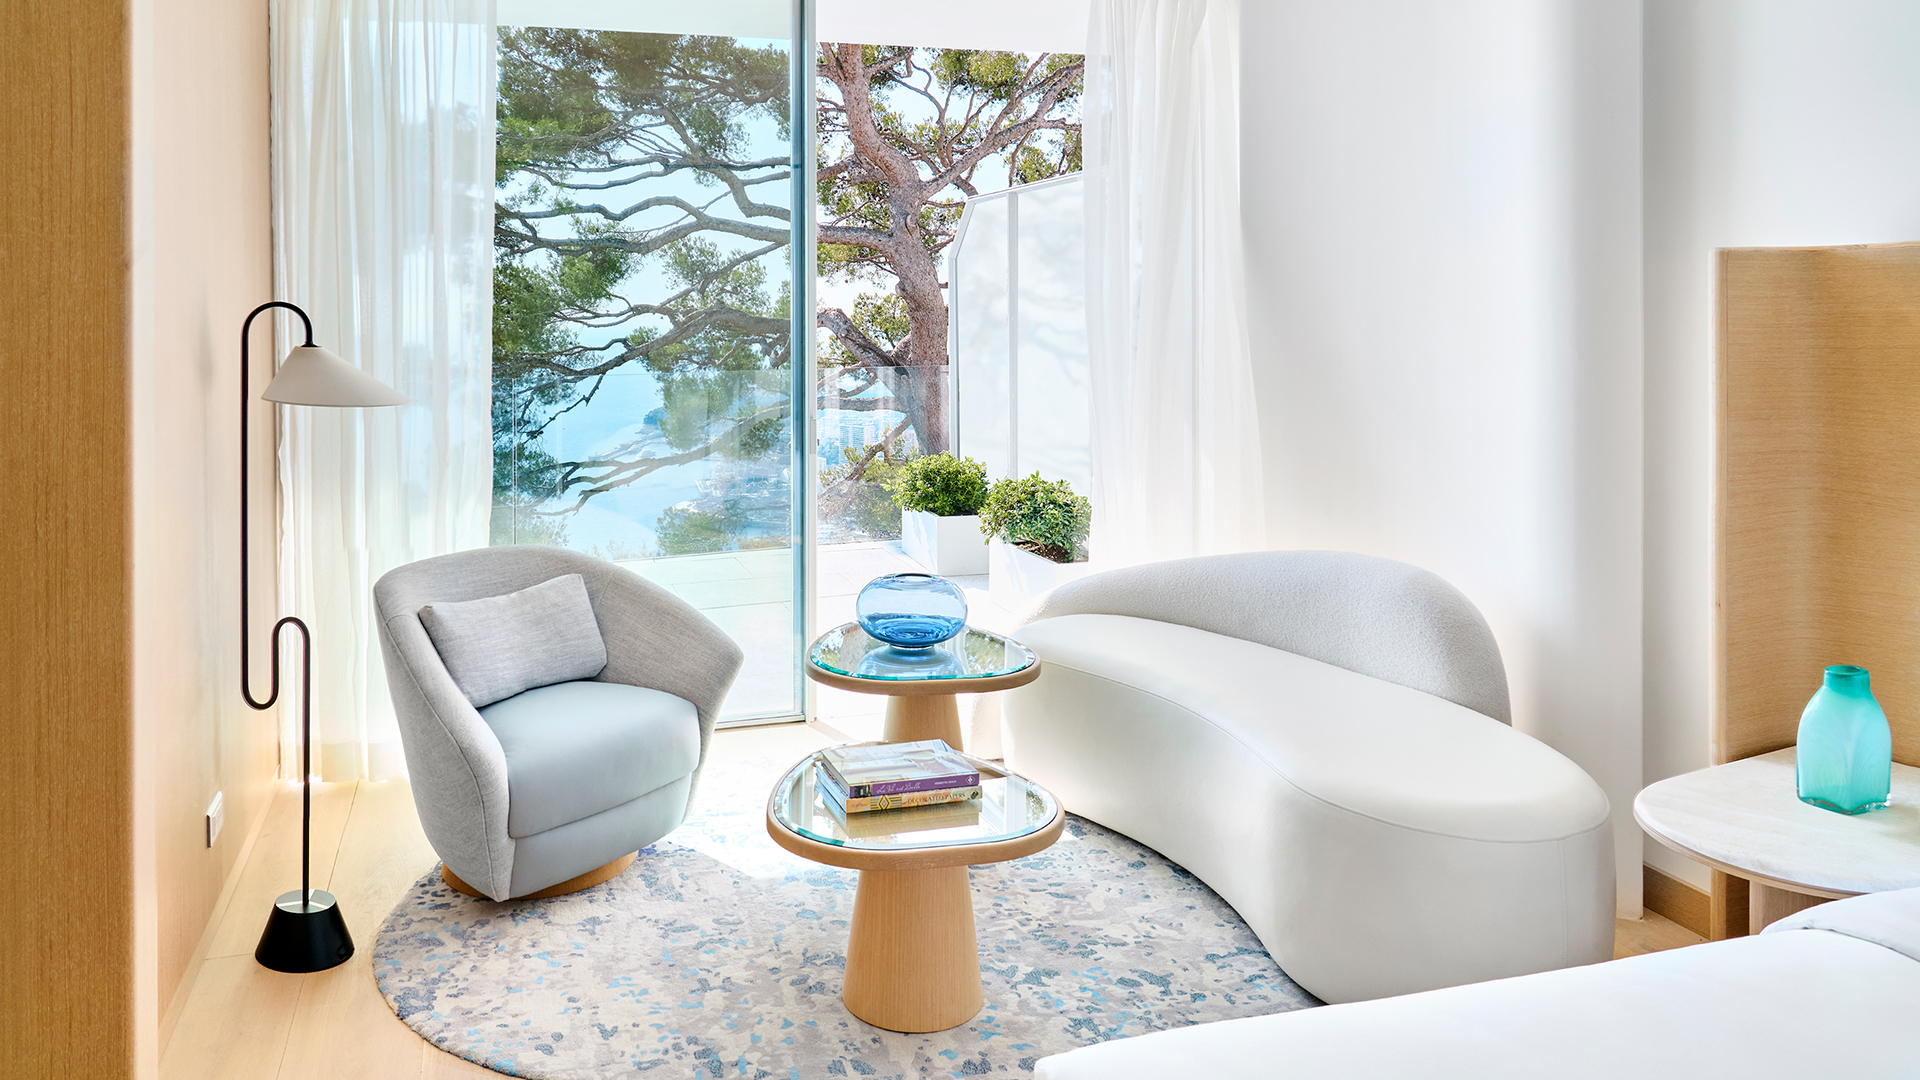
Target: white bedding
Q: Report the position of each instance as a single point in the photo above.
(1888, 919)
(1832, 991)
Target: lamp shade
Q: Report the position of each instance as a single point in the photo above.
(311, 375)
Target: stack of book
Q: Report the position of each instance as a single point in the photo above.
(887, 776)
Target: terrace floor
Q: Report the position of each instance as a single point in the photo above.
(750, 595)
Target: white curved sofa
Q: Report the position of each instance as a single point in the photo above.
(1828, 991)
(1322, 738)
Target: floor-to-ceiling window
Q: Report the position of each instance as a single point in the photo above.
(647, 379)
(643, 343)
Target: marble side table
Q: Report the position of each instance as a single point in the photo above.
(1745, 818)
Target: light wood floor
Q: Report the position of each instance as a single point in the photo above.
(240, 1020)
(1651, 934)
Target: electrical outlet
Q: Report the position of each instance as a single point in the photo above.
(216, 817)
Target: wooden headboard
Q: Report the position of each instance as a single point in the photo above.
(1817, 509)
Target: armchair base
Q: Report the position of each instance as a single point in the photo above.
(572, 885)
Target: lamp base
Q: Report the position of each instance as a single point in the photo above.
(304, 934)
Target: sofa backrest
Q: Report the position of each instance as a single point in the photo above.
(1374, 616)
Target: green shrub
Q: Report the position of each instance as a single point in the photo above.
(1045, 517)
(941, 484)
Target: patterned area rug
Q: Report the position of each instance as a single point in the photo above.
(716, 955)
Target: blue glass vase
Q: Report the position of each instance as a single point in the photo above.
(932, 662)
(1845, 755)
(911, 611)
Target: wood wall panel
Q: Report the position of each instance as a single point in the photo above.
(66, 746)
(1818, 506)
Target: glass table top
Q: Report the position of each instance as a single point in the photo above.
(1009, 807)
(973, 654)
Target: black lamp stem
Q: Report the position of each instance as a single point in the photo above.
(309, 939)
(246, 671)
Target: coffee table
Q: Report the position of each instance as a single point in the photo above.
(1745, 818)
(913, 962)
(921, 684)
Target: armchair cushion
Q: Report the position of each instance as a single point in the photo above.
(497, 646)
(575, 749)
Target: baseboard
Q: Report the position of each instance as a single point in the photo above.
(1671, 898)
(170, 1019)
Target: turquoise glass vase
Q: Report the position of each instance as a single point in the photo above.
(1845, 755)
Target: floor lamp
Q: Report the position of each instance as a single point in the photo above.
(305, 931)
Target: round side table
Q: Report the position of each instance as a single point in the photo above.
(921, 684)
(913, 960)
(1745, 818)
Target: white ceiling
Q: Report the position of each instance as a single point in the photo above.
(1012, 25)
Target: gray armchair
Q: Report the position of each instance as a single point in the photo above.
(546, 786)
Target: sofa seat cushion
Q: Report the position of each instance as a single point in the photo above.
(1357, 743)
(574, 749)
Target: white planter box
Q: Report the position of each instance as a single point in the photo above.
(1019, 578)
(948, 546)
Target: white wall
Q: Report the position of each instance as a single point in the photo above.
(1443, 250)
(1768, 123)
(201, 243)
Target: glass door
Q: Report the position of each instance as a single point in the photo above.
(916, 137)
(648, 344)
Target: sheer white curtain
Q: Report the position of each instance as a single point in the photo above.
(383, 218)
(1176, 440)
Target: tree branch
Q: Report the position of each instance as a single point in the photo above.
(855, 340)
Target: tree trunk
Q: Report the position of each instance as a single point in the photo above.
(926, 369)
(923, 378)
